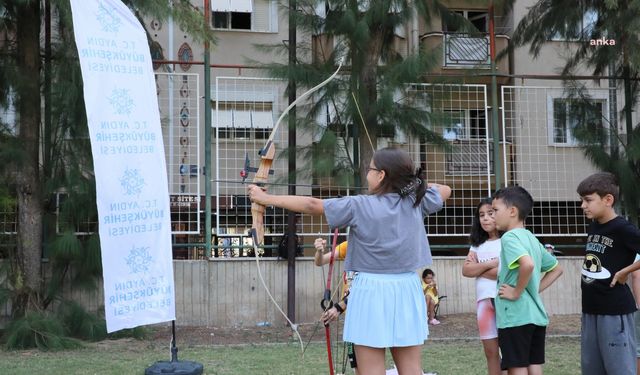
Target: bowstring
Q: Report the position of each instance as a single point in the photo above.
(294, 327)
(355, 101)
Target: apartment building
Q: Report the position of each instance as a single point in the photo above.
(536, 149)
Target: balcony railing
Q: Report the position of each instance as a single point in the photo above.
(463, 49)
(469, 158)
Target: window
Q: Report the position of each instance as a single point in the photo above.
(324, 7)
(418, 97)
(8, 219)
(239, 6)
(479, 19)
(330, 116)
(8, 114)
(467, 131)
(231, 20)
(465, 124)
(81, 225)
(253, 15)
(580, 31)
(477, 124)
(255, 123)
(566, 114)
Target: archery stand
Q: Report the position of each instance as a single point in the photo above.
(174, 366)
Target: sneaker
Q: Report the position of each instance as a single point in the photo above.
(434, 322)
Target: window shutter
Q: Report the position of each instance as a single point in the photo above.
(221, 5)
(241, 6)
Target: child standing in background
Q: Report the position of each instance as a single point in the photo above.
(608, 340)
(482, 263)
(430, 290)
(321, 258)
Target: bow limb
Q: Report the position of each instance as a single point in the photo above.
(267, 155)
(260, 179)
(300, 98)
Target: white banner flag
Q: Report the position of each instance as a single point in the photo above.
(128, 157)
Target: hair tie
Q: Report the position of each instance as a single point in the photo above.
(418, 172)
(411, 186)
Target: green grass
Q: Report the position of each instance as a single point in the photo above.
(122, 357)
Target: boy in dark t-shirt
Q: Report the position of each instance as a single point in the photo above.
(608, 340)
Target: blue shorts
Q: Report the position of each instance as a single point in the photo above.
(386, 310)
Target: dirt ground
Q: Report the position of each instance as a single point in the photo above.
(452, 326)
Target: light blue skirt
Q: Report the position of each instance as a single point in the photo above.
(386, 310)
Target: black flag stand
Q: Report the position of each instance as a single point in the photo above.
(174, 366)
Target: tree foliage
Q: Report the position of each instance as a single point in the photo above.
(46, 169)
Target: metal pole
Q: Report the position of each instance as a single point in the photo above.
(497, 169)
(628, 100)
(47, 89)
(291, 216)
(171, 103)
(174, 348)
(207, 138)
(632, 213)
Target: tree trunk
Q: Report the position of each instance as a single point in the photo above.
(27, 263)
(629, 202)
(368, 137)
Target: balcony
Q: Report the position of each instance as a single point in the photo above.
(469, 158)
(465, 165)
(463, 51)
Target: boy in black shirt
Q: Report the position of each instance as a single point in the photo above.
(608, 339)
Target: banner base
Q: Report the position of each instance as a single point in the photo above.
(176, 367)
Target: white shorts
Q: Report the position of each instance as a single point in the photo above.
(486, 314)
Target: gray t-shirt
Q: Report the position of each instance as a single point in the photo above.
(387, 233)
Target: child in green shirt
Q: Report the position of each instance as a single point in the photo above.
(520, 315)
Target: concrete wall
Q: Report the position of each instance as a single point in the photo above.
(228, 293)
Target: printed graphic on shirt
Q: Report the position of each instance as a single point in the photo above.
(592, 268)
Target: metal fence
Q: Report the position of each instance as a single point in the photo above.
(542, 155)
(535, 153)
(178, 99)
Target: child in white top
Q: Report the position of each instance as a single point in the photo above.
(482, 263)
